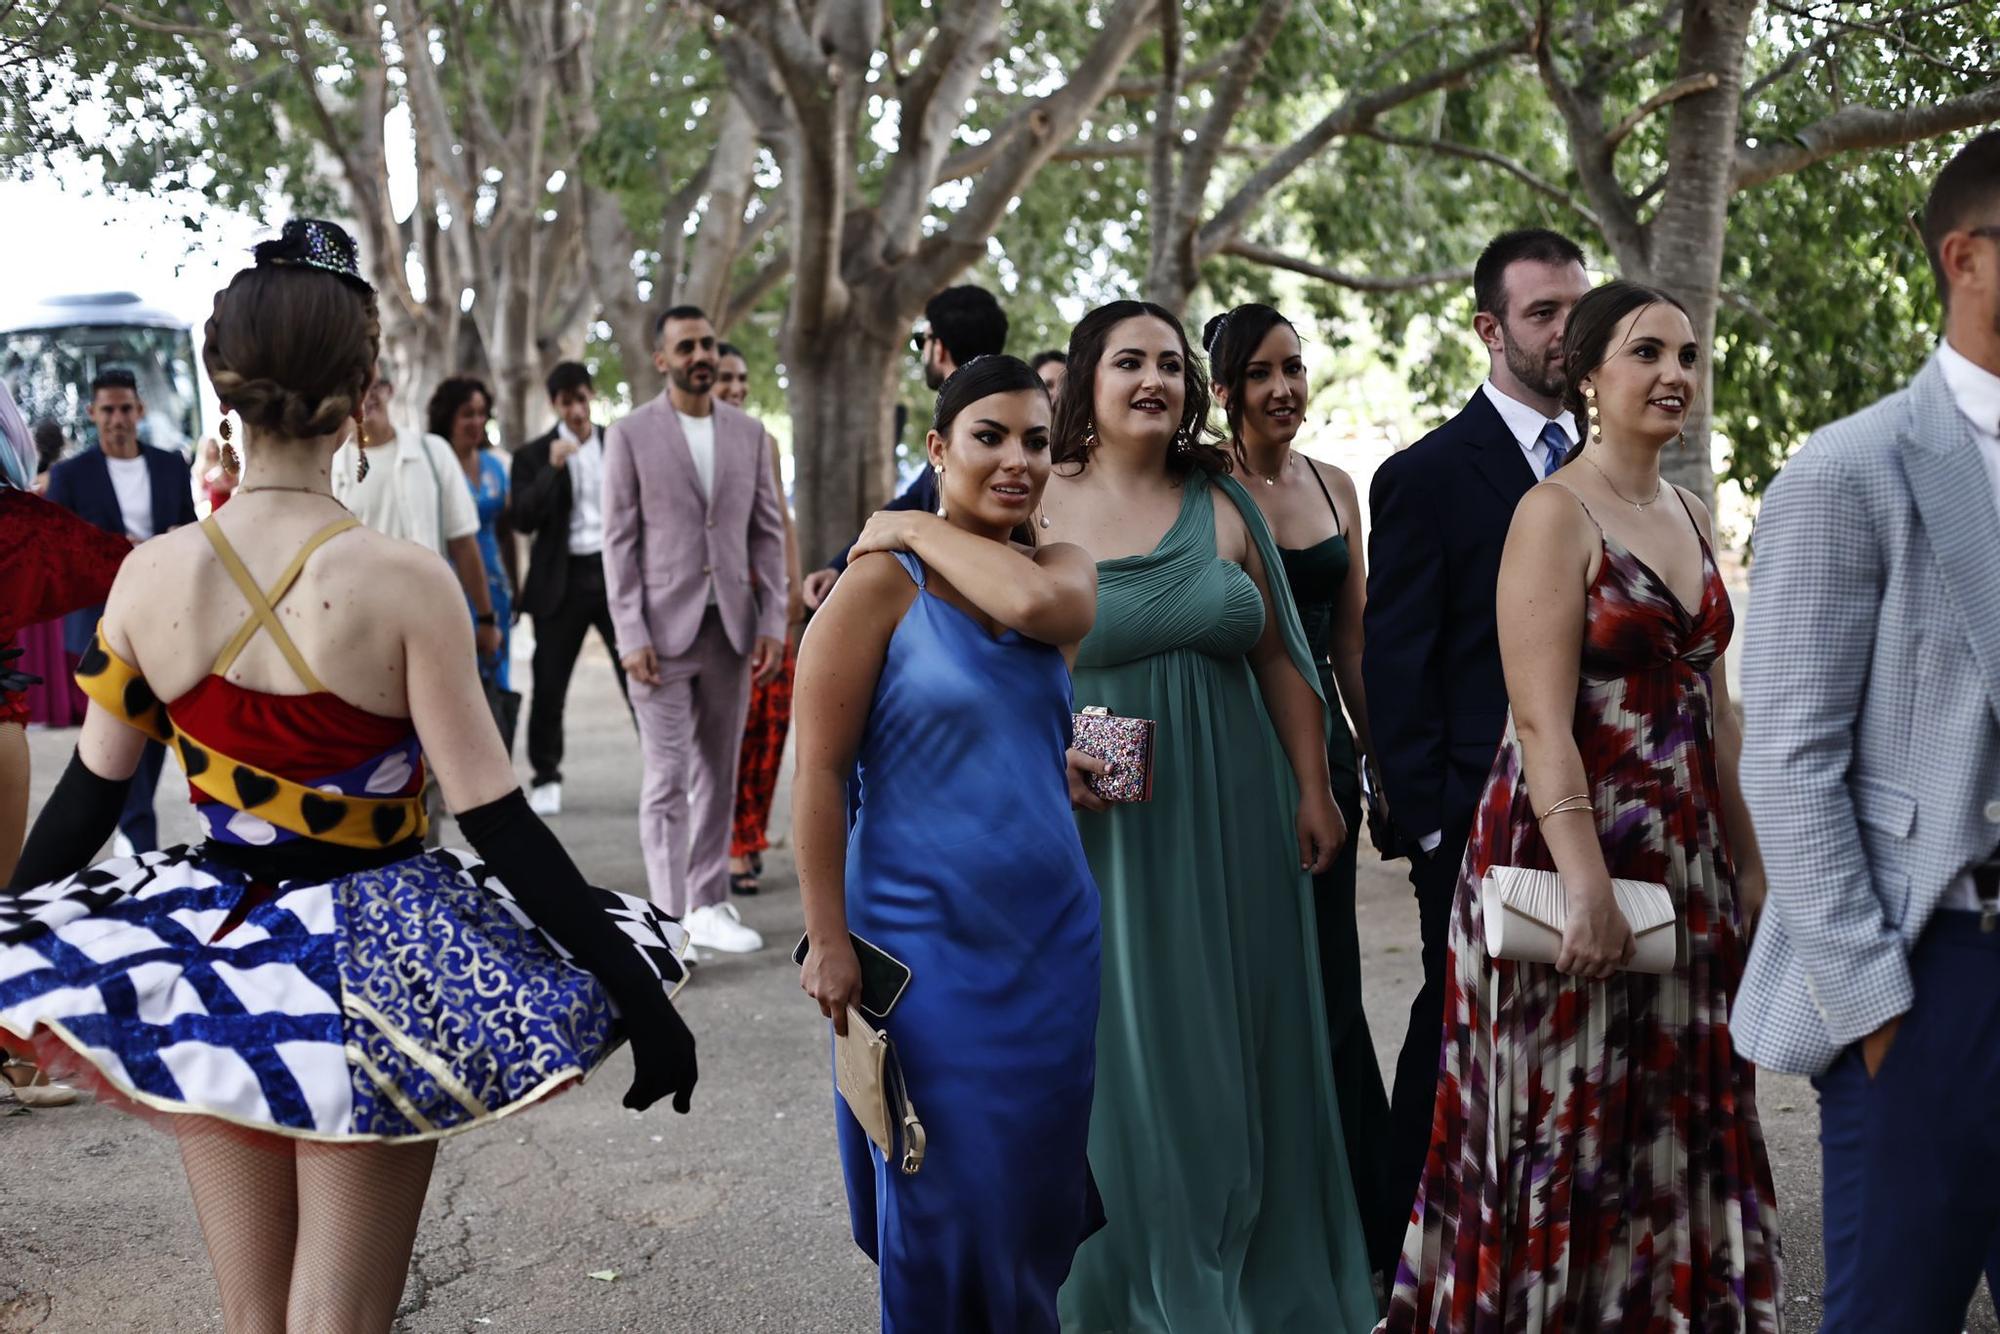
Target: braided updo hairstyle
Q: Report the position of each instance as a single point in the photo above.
(291, 347)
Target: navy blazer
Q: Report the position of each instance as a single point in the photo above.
(921, 494)
(82, 485)
(1437, 702)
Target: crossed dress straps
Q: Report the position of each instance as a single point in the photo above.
(263, 604)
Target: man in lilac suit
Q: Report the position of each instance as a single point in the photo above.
(694, 570)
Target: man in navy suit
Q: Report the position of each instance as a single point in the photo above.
(965, 322)
(1437, 703)
(124, 487)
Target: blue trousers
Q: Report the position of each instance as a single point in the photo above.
(1911, 1206)
(137, 821)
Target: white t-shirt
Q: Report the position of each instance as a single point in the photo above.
(700, 433)
(409, 489)
(133, 482)
(1976, 390)
(586, 489)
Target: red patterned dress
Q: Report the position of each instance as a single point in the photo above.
(1596, 1160)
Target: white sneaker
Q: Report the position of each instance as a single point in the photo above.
(546, 799)
(718, 926)
(121, 846)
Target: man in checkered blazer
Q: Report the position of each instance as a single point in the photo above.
(1871, 762)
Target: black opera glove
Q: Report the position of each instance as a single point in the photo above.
(78, 816)
(554, 894)
(12, 679)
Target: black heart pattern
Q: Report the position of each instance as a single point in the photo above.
(388, 822)
(321, 813)
(253, 788)
(95, 660)
(193, 758)
(139, 698)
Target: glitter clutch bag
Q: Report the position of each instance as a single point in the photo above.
(1126, 744)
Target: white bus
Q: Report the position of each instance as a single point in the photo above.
(51, 349)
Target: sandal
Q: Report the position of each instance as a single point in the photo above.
(32, 1088)
(744, 883)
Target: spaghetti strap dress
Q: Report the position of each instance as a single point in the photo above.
(963, 863)
(1216, 1133)
(1596, 1161)
(1316, 575)
(308, 970)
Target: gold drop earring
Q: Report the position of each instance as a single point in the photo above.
(360, 451)
(231, 462)
(1590, 410)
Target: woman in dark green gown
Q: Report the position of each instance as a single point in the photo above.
(1259, 374)
(1215, 1136)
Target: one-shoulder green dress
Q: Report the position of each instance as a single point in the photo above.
(1215, 1137)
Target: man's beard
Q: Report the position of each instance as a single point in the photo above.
(1533, 370)
(684, 380)
(934, 375)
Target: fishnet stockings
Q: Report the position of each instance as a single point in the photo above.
(305, 1237)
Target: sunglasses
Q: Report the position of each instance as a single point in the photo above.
(921, 340)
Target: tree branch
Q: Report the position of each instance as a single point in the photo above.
(1245, 59)
(1667, 96)
(755, 288)
(1513, 168)
(1166, 134)
(1353, 114)
(1353, 282)
(1886, 33)
(1856, 127)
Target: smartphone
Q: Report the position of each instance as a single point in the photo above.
(884, 977)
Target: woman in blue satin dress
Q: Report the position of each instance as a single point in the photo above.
(937, 677)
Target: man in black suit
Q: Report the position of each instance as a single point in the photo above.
(558, 485)
(964, 322)
(126, 487)
(1437, 703)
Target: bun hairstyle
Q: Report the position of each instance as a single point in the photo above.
(1587, 337)
(983, 377)
(979, 378)
(1231, 341)
(1194, 448)
(292, 342)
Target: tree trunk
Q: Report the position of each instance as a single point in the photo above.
(1686, 239)
(842, 396)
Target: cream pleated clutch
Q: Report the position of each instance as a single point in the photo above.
(1525, 912)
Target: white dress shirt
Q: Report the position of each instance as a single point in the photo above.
(1976, 390)
(1527, 425)
(586, 489)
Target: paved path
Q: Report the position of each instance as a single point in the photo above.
(731, 1219)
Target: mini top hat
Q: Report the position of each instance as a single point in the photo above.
(312, 243)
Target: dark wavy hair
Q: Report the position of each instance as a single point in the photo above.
(983, 377)
(1232, 340)
(1587, 338)
(453, 394)
(1195, 448)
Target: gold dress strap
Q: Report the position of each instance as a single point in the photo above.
(262, 603)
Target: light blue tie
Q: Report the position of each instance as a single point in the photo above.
(1555, 440)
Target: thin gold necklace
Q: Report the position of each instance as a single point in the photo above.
(1658, 487)
(1271, 480)
(301, 490)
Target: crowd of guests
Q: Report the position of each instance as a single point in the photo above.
(1133, 1026)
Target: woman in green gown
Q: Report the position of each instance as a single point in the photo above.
(1215, 1136)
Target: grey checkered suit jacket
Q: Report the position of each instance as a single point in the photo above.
(1871, 696)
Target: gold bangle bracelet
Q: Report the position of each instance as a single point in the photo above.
(1568, 804)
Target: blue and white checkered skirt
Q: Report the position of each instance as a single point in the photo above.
(404, 1003)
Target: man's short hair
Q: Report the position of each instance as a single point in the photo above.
(114, 377)
(968, 321)
(1048, 358)
(568, 377)
(676, 313)
(1539, 244)
(1965, 194)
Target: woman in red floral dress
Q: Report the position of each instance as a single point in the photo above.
(1596, 1161)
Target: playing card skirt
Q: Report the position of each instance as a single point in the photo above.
(408, 1000)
